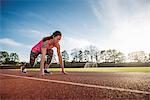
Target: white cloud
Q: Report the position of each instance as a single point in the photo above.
(9, 42)
(22, 50)
(69, 43)
(127, 23)
(34, 33)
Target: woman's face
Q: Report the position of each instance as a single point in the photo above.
(57, 39)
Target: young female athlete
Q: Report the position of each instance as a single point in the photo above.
(44, 47)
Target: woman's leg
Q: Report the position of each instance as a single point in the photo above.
(49, 54)
(33, 56)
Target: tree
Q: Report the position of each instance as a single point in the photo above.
(1, 57)
(92, 52)
(75, 54)
(86, 55)
(137, 56)
(102, 56)
(112, 56)
(65, 55)
(80, 55)
(14, 57)
(106, 55)
(97, 56)
(119, 57)
(4, 56)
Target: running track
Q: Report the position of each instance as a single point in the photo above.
(75, 86)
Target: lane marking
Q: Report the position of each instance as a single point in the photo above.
(78, 84)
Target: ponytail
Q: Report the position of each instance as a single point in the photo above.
(56, 33)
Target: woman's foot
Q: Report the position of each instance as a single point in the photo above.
(47, 72)
(41, 72)
(23, 69)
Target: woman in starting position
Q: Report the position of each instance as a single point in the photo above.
(44, 47)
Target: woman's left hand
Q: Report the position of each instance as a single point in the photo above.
(63, 72)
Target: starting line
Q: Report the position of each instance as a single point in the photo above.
(78, 84)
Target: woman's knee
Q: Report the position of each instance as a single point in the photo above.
(49, 56)
(50, 52)
(33, 56)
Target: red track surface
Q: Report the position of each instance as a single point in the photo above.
(12, 88)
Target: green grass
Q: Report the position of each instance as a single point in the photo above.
(102, 69)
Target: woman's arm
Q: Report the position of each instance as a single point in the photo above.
(60, 57)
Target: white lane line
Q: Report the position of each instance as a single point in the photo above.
(78, 84)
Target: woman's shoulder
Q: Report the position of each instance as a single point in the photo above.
(44, 44)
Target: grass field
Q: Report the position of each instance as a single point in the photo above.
(106, 69)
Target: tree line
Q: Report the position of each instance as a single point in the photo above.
(5, 57)
(93, 54)
(90, 54)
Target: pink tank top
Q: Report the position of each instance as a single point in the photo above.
(37, 47)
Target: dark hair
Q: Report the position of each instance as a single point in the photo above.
(56, 33)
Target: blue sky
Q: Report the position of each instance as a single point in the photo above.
(107, 24)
